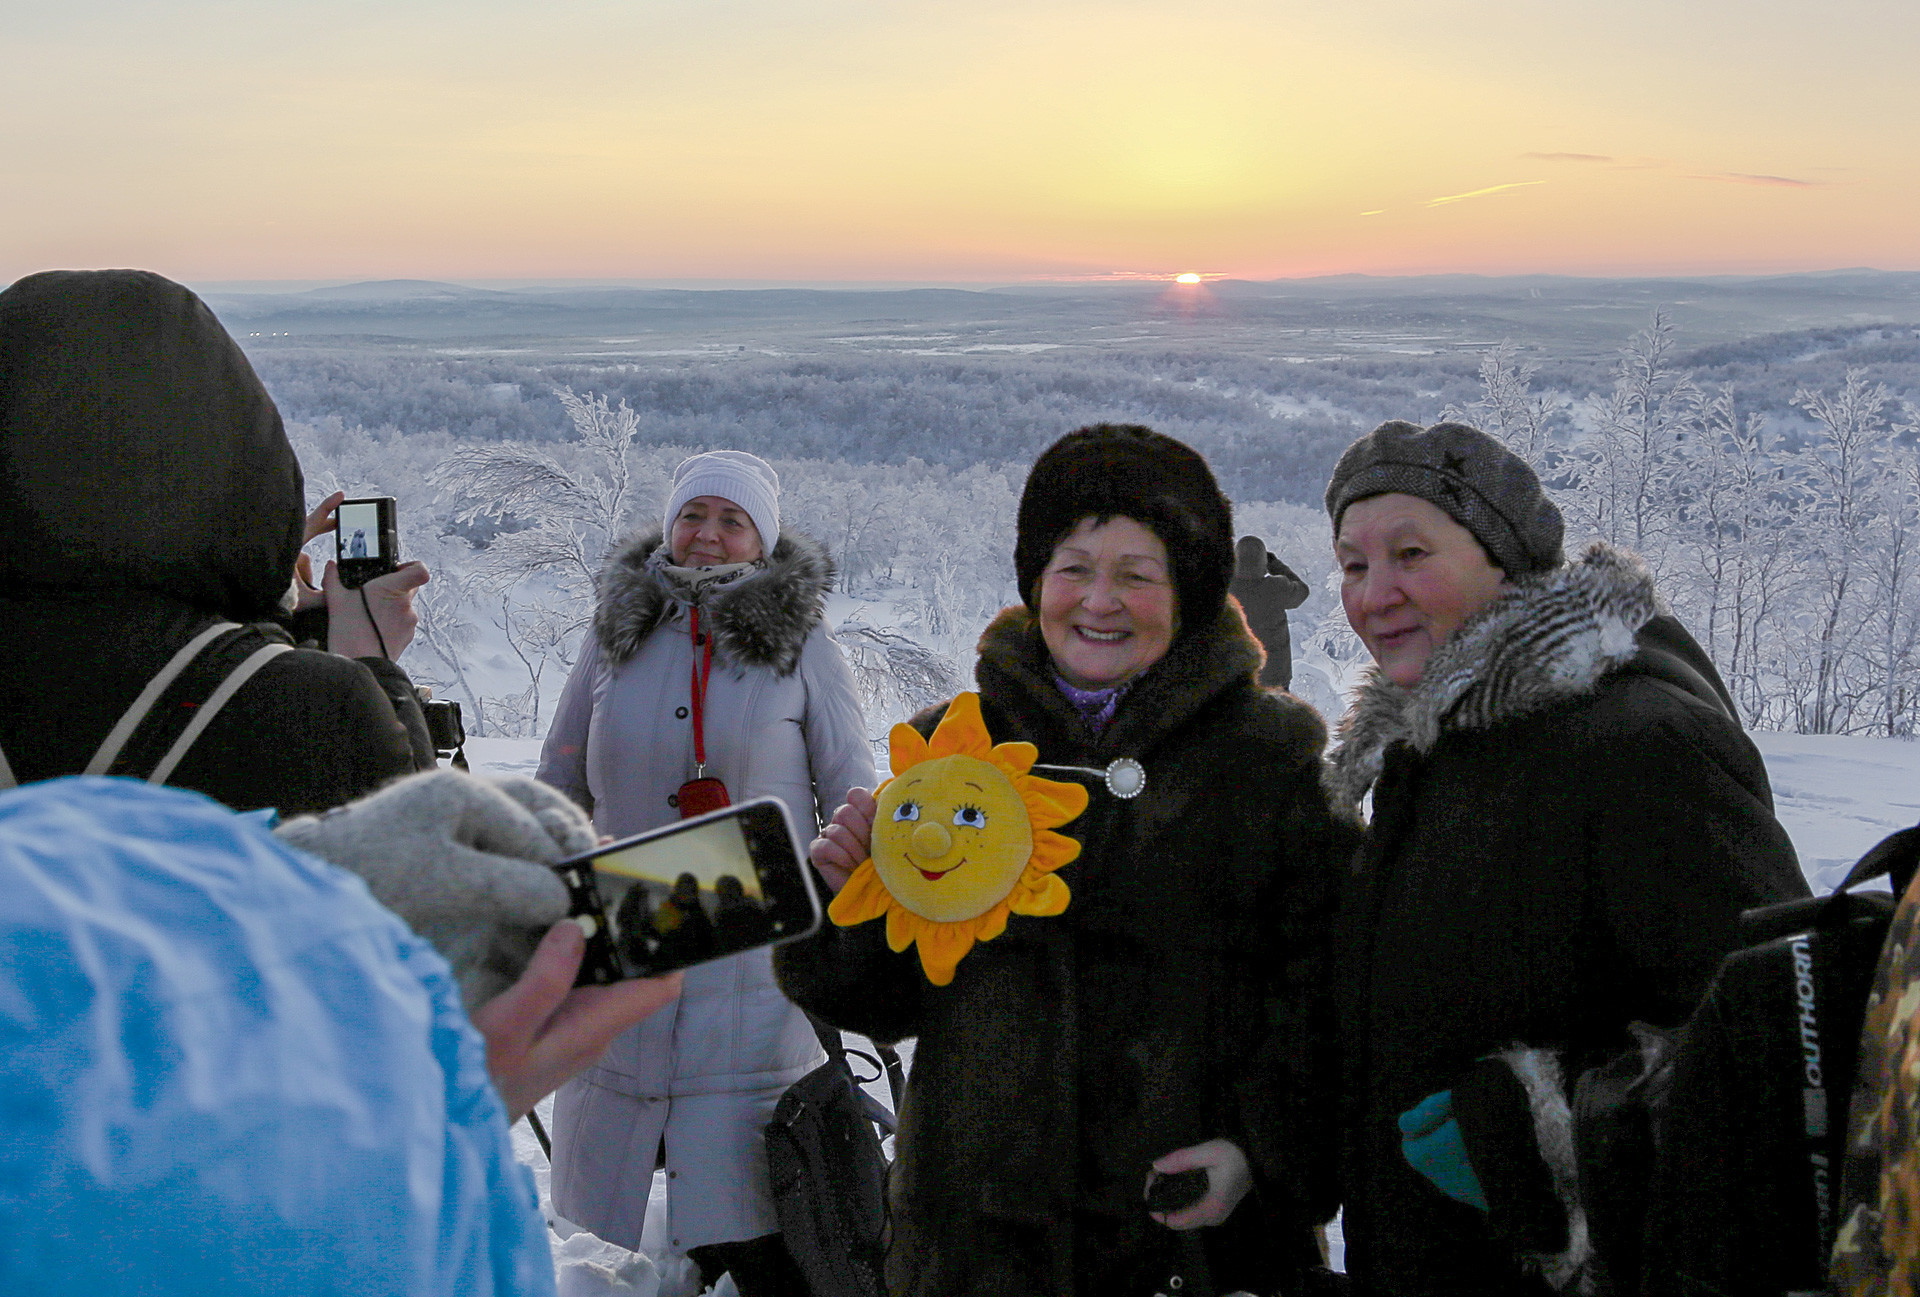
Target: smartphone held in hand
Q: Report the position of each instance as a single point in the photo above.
(697, 890)
(366, 539)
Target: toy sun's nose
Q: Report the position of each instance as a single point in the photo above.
(932, 841)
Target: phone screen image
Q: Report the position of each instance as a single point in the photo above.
(701, 890)
(359, 530)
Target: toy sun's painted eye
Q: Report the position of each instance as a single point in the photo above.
(970, 817)
(906, 811)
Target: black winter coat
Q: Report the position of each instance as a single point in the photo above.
(146, 489)
(1567, 823)
(1266, 592)
(1176, 1000)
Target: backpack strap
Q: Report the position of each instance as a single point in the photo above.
(1893, 857)
(203, 716)
(129, 721)
(889, 1063)
(202, 653)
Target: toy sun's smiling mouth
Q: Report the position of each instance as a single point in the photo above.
(935, 875)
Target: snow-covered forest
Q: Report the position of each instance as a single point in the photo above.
(1772, 483)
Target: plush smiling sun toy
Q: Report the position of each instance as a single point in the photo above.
(962, 837)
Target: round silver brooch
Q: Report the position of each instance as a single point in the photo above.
(1126, 778)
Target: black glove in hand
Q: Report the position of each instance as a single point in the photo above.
(464, 860)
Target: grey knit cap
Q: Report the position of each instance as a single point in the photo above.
(1478, 482)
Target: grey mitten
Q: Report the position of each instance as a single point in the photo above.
(463, 859)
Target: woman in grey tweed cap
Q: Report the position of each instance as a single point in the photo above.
(1567, 821)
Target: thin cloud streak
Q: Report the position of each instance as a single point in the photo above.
(1568, 157)
(1742, 178)
(1481, 193)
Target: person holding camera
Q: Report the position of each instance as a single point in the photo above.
(709, 676)
(154, 511)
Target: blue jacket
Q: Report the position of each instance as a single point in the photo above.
(224, 1068)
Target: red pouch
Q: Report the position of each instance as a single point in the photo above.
(698, 796)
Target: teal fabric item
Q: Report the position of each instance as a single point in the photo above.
(1430, 1141)
(225, 1069)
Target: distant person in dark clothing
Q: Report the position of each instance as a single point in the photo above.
(739, 921)
(686, 930)
(1266, 589)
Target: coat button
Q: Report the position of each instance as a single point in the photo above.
(673, 799)
(680, 713)
(673, 1175)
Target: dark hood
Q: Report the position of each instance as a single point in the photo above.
(137, 448)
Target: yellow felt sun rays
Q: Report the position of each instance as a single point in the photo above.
(962, 837)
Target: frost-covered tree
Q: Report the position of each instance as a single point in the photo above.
(1736, 527)
(1509, 408)
(1891, 644)
(1623, 470)
(557, 520)
(1839, 468)
(897, 675)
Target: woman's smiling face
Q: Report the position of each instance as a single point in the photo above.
(1410, 575)
(1108, 610)
(710, 530)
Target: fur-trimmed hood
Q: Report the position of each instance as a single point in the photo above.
(760, 620)
(1552, 637)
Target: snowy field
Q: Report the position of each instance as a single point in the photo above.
(1837, 796)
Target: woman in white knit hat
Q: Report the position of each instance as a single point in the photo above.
(695, 1085)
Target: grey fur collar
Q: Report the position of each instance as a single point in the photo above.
(1552, 637)
(761, 620)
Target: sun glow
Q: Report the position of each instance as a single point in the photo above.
(1188, 278)
(962, 838)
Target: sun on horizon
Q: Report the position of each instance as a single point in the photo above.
(963, 838)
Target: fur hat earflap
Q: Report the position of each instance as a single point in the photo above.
(1125, 470)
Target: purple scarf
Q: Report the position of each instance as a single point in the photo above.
(1096, 706)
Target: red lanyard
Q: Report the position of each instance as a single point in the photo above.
(702, 672)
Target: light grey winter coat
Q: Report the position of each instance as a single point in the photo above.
(782, 719)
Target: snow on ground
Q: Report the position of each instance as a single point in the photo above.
(1836, 796)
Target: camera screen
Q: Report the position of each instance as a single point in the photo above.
(685, 897)
(359, 530)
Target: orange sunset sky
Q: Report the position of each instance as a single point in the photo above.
(981, 141)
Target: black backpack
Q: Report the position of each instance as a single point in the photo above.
(1710, 1160)
(829, 1172)
(161, 725)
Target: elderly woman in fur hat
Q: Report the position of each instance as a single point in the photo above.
(708, 658)
(1164, 1020)
(1567, 821)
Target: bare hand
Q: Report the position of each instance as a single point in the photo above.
(320, 521)
(845, 843)
(310, 595)
(543, 1029)
(390, 598)
(1229, 1176)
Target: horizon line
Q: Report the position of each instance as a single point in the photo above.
(1117, 279)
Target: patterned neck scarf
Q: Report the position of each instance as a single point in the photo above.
(691, 585)
(1096, 706)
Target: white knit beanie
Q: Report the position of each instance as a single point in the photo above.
(747, 480)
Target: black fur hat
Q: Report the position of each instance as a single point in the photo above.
(1125, 470)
